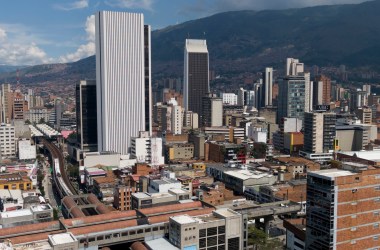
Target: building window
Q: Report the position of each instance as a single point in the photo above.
(377, 188)
(353, 229)
(353, 241)
(376, 225)
(376, 237)
(377, 199)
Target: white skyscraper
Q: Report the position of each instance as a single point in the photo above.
(122, 78)
(267, 88)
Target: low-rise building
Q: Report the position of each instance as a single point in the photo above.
(222, 230)
(163, 185)
(34, 214)
(13, 181)
(7, 141)
(145, 200)
(295, 233)
(179, 151)
(123, 197)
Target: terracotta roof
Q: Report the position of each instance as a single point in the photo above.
(103, 227)
(91, 198)
(168, 208)
(27, 229)
(32, 237)
(102, 209)
(138, 246)
(76, 212)
(101, 180)
(69, 202)
(124, 215)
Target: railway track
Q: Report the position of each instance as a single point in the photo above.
(60, 177)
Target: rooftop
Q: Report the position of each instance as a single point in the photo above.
(332, 173)
(247, 174)
(183, 219)
(63, 238)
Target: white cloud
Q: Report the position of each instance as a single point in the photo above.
(84, 50)
(3, 34)
(80, 4)
(15, 50)
(131, 4)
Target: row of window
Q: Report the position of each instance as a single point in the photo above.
(122, 234)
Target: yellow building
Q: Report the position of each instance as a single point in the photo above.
(15, 181)
(199, 166)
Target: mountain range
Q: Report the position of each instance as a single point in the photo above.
(247, 41)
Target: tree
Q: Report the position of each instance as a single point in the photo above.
(259, 150)
(42, 120)
(55, 214)
(27, 122)
(261, 241)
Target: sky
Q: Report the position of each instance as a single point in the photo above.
(45, 31)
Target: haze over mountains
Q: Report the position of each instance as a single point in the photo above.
(242, 41)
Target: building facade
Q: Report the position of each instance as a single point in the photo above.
(123, 79)
(196, 74)
(343, 210)
(86, 112)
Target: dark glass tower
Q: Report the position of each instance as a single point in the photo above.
(86, 115)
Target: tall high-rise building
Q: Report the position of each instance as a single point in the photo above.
(266, 89)
(123, 79)
(343, 208)
(212, 112)
(319, 132)
(294, 98)
(196, 75)
(295, 90)
(321, 90)
(6, 96)
(293, 67)
(86, 112)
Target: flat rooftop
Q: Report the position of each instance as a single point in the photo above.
(332, 173)
(63, 238)
(183, 219)
(247, 174)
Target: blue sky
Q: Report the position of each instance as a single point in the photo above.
(46, 31)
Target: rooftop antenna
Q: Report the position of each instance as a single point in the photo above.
(18, 79)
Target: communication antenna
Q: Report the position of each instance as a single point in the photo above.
(18, 79)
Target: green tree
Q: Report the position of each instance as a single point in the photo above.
(259, 150)
(55, 214)
(27, 122)
(42, 120)
(260, 240)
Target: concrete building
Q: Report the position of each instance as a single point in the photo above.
(123, 79)
(26, 150)
(196, 75)
(343, 209)
(212, 111)
(257, 134)
(6, 103)
(31, 215)
(319, 132)
(147, 149)
(190, 119)
(286, 125)
(37, 114)
(179, 151)
(354, 137)
(86, 116)
(321, 90)
(229, 98)
(295, 233)
(7, 141)
(19, 107)
(221, 230)
(163, 185)
(171, 117)
(295, 97)
(364, 114)
(266, 94)
(145, 200)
